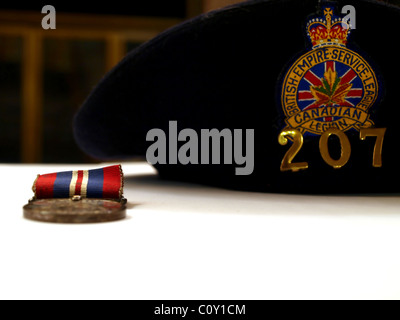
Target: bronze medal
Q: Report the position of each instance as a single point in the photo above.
(83, 196)
(75, 210)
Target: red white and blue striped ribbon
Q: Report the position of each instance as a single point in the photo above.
(105, 183)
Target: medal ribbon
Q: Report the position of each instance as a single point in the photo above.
(104, 183)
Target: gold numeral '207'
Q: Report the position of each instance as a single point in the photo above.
(297, 138)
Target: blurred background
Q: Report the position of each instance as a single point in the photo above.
(45, 75)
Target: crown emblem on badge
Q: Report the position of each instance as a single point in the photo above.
(324, 31)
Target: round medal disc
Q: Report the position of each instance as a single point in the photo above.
(70, 211)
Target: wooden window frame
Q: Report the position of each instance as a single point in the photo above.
(115, 31)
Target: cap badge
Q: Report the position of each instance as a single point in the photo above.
(330, 89)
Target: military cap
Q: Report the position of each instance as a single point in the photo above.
(272, 96)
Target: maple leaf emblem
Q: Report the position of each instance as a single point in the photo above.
(332, 91)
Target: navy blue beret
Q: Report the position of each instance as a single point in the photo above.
(234, 68)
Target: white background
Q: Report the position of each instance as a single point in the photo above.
(183, 241)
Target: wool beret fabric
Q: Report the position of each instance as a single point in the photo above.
(223, 69)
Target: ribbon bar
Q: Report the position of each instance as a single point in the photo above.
(104, 183)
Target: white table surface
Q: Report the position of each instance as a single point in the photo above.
(183, 241)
